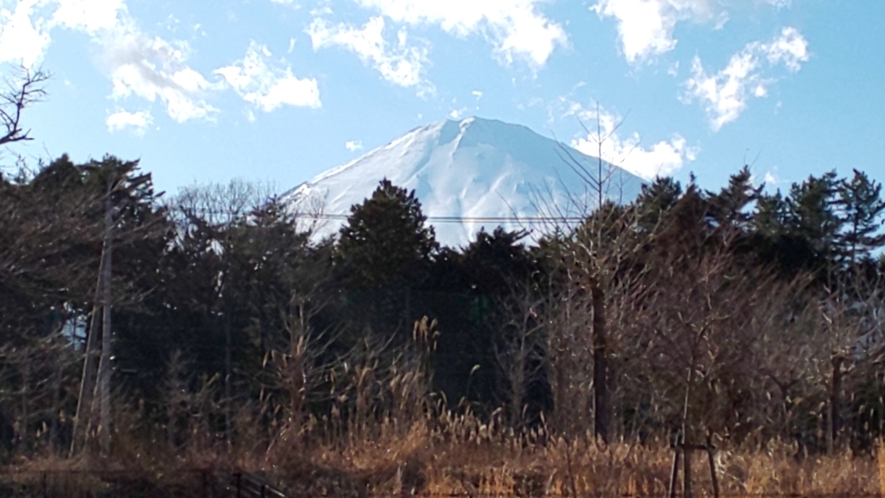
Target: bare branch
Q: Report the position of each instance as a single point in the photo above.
(25, 88)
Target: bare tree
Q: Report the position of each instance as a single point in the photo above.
(596, 267)
(25, 88)
(595, 250)
(519, 356)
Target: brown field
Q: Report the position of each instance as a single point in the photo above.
(457, 456)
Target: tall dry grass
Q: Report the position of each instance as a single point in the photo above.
(444, 454)
(384, 435)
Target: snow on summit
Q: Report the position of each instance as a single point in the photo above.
(468, 174)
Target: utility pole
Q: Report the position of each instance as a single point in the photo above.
(105, 369)
(83, 419)
(87, 381)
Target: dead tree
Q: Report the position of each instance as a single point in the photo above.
(24, 89)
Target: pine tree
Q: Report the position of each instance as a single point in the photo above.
(770, 215)
(656, 199)
(385, 240)
(861, 214)
(812, 213)
(729, 206)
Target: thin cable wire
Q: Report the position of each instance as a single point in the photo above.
(438, 219)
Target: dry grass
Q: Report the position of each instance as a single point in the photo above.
(428, 452)
(461, 455)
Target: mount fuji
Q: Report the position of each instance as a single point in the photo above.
(469, 174)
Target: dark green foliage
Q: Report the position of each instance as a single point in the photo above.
(731, 205)
(655, 199)
(227, 295)
(54, 225)
(862, 209)
(385, 240)
(813, 213)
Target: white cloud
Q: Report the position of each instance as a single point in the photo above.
(137, 64)
(354, 145)
(790, 48)
(458, 113)
(137, 121)
(399, 63)
(25, 30)
(514, 27)
(477, 94)
(24, 33)
(88, 15)
(661, 159)
(645, 27)
(724, 94)
(268, 87)
(154, 69)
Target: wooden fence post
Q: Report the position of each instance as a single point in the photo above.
(713, 477)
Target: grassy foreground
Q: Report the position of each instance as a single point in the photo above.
(457, 456)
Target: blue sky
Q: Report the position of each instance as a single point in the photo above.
(280, 90)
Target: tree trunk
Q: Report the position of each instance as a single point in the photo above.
(686, 470)
(104, 367)
(228, 403)
(25, 418)
(602, 403)
(835, 389)
(80, 431)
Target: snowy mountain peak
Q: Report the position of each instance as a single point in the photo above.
(468, 174)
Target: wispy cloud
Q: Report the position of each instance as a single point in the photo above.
(516, 28)
(725, 94)
(24, 33)
(401, 62)
(155, 69)
(354, 145)
(88, 15)
(137, 64)
(268, 87)
(660, 159)
(645, 27)
(138, 121)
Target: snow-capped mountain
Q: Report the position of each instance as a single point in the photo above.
(468, 175)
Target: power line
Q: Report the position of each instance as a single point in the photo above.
(430, 218)
(460, 219)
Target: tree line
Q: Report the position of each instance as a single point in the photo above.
(216, 314)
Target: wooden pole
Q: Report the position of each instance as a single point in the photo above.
(713, 478)
(674, 471)
(835, 389)
(686, 469)
(79, 434)
(104, 367)
(601, 398)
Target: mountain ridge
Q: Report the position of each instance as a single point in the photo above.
(468, 172)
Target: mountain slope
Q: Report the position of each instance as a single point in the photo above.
(468, 174)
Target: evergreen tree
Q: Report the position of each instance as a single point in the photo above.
(656, 199)
(813, 213)
(862, 210)
(385, 240)
(770, 216)
(729, 206)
